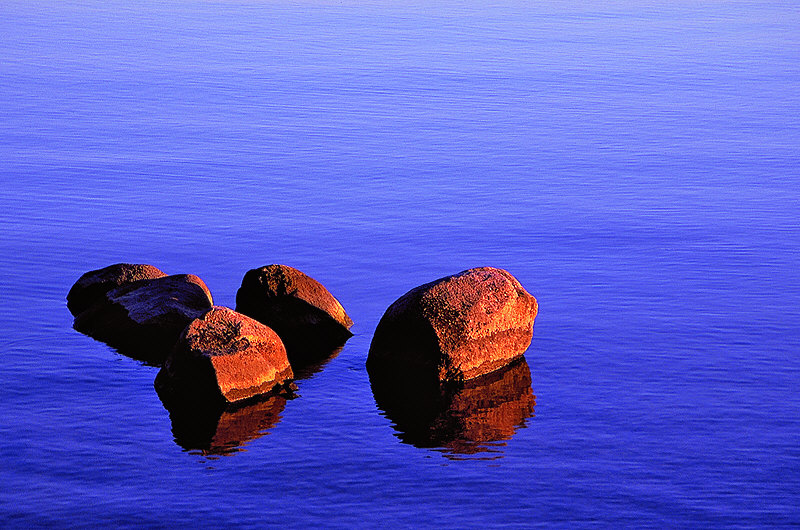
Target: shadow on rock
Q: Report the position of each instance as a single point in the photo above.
(141, 318)
(218, 429)
(462, 419)
(308, 318)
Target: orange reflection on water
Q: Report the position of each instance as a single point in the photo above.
(476, 417)
(208, 426)
(220, 430)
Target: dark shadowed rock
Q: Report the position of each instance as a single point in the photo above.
(455, 328)
(144, 318)
(309, 320)
(92, 286)
(467, 418)
(224, 356)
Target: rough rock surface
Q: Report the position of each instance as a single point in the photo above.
(307, 317)
(455, 328)
(227, 355)
(144, 318)
(92, 286)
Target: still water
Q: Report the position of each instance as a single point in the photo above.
(635, 165)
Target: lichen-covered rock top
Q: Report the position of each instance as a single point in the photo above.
(278, 281)
(91, 287)
(460, 326)
(226, 353)
(476, 304)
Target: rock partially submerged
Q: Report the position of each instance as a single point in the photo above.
(224, 356)
(145, 317)
(307, 317)
(92, 286)
(455, 328)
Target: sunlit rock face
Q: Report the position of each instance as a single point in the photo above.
(462, 418)
(144, 318)
(92, 286)
(455, 328)
(307, 317)
(224, 356)
(224, 429)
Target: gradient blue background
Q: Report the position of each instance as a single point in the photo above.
(634, 164)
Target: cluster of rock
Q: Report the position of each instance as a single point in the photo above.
(447, 332)
(208, 351)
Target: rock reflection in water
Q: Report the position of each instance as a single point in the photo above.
(208, 426)
(144, 349)
(307, 369)
(215, 430)
(464, 420)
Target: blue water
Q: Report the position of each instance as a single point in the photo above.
(635, 165)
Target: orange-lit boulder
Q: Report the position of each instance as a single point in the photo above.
(92, 286)
(455, 328)
(227, 356)
(309, 320)
(144, 318)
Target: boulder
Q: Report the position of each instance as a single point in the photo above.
(307, 317)
(144, 318)
(469, 418)
(224, 356)
(92, 286)
(455, 328)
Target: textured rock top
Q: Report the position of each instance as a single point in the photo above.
(247, 357)
(223, 331)
(94, 284)
(146, 300)
(475, 304)
(274, 281)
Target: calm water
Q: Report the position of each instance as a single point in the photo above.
(635, 165)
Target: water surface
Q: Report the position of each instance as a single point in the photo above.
(634, 165)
